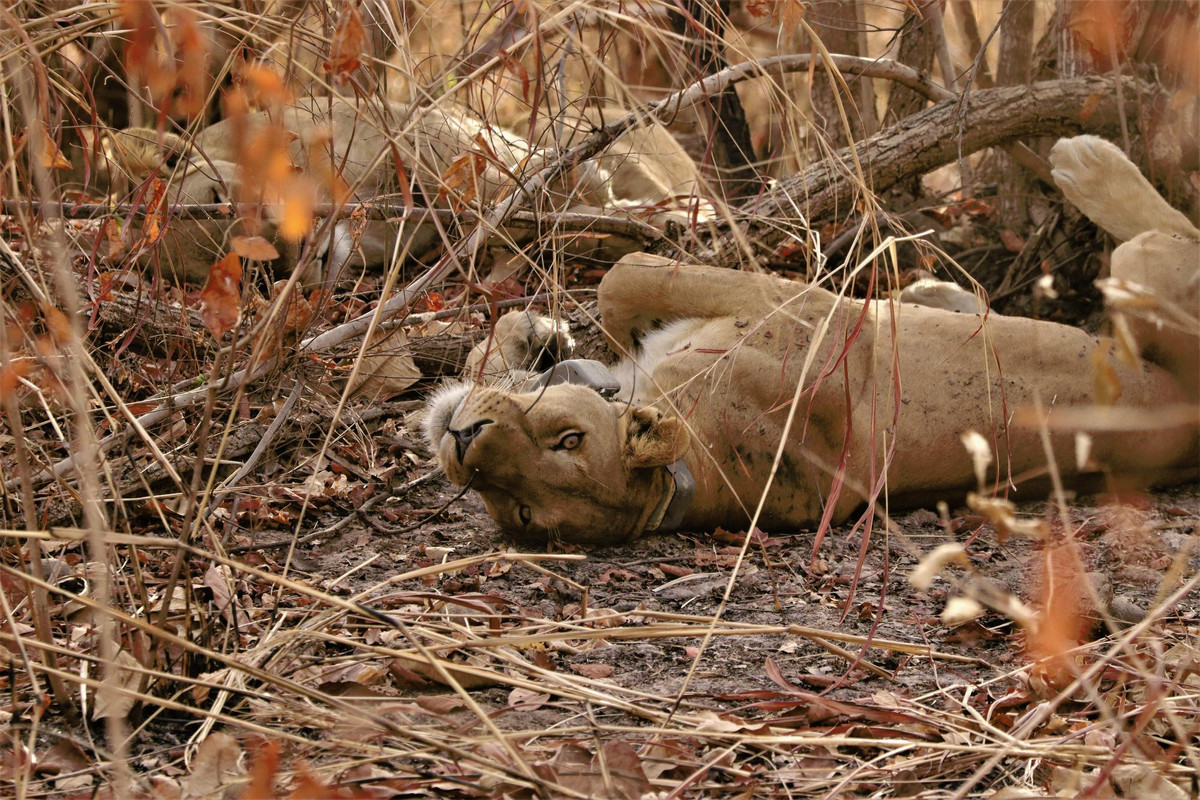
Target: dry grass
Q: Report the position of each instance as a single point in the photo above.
(156, 648)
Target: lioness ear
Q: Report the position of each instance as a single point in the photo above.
(653, 439)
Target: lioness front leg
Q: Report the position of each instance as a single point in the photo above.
(642, 292)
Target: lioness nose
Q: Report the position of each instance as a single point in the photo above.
(464, 437)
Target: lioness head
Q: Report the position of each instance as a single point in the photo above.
(558, 464)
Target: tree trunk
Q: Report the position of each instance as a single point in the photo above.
(1014, 68)
(837, 24)
(732, 151)
(1016, 43)
(965, 15)
(916, 51)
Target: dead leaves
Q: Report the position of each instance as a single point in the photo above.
(49, 155)
(787, 14)
(387, 368)
(348, 43)
(156, 212)
(299, 200)
(460, 181)
(168, 55)
(615, 772)
(1106, 384)
(216, 769)
(259, 86)
(117, 697)
(1103, 27)
(221, 297)
(254, 248)
(219, 771)
(594, 671)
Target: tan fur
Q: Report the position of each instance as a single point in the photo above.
(886, 391)
(362, 143)
(646, 164)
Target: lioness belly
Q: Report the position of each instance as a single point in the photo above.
(859, 415)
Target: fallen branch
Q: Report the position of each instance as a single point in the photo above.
(384, 208)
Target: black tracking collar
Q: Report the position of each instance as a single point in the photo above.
(585, 372)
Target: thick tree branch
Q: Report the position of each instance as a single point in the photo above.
(923, 142)
(380, 208)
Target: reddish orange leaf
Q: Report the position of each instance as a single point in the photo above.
(1106, 384)
(790, 14)
(57, 324)
(1062, 627)
(432, 301)
(307, 787)
(191, 53)
(265, 86)
(298, 203)
(221, 297)
(262, 774)
(346, 49)
(155, 222)
(268, 158)
(1103, 27)
(299, 312)
(141, 20)
(105, 282)
(759, 8)
(485, 147)
(1012, 241)
(10, 376)
(461, 179)
(112, 238)
(146, 57)
(1089, 106)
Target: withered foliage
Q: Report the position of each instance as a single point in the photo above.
(229, 569)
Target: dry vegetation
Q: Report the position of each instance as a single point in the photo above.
(229, 569)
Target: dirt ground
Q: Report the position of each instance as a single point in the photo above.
(782, 581)
(767, 667)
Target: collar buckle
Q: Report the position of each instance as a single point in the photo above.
(670, 517)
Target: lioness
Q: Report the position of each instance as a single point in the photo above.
(722, 366)
(361, 146)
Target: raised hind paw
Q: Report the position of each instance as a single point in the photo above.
(522, 342)
(1108, 188)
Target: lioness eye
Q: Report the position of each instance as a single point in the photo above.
(569, 442)
(525, 514)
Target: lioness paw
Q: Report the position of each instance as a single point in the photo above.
(522, 342)
(1110, 190)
